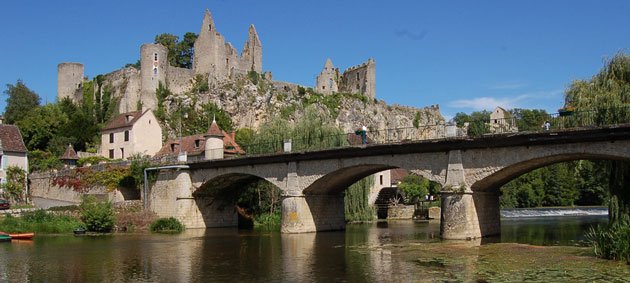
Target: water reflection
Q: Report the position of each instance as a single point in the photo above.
(382, 251)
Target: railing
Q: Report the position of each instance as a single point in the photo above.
(552, 122)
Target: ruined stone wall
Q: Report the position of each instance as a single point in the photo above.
(326, 81)
(360, 79)
(69, 81)
(124, 85)
(179, 80)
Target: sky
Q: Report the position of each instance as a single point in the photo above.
(462, 55)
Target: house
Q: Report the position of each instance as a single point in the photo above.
(131, 133)
(214, 144)
(501, 121)
(12, 150)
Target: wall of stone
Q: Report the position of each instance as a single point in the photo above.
(41, 186)
(360, 79)
(179, 80)
(400, 212)
(124, 85)
(153, 70)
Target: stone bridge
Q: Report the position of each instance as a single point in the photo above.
(470, 170)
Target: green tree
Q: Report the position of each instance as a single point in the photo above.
(41, 126)
(356, 204)
(608, 92)
(529, 119)
(415, 187)
(98, 216)
(477, 122)
(180, 53)
(15, 185)
(20, 101)
(170, 42)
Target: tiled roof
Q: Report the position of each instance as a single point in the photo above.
(397, 175)
(121, 120)
(70, 154)
(188, 144)
(214, 130)
(11, 138)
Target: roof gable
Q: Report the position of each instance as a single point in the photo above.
(11, 138)
(124, 120)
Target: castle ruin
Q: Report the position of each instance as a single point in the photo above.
(214, 59)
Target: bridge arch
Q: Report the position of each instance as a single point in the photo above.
(534, 159)
(337, 181)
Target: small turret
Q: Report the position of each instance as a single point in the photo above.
(214, 142)
(70, 157)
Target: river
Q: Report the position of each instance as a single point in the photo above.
(531, 248)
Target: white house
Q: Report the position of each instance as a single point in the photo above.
(12, 150)
(131, 133)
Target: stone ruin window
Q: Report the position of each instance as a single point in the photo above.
(155, 57)
(358, 77)
(323, 87)
(209, 27)
(330, 83)
(155, 71)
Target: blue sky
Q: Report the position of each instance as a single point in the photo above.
(462, 55)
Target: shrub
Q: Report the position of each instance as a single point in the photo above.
(268, 220)
(97, 216)
(167, 225)
(39, 222)
(611, 242)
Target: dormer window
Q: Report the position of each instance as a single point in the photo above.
(197, 142)
(172, 147)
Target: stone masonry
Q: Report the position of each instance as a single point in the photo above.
(471, 172)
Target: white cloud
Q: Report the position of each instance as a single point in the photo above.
(518, 101)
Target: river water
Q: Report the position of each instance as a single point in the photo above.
(532, 247)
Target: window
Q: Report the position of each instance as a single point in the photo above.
(111, 154)
(358, 77)
(323, 87)
(122, 153)
(381, 179)
(155, 57)
(127, 135)
(196, 143)
(155, 71)
(172, 147)
(209, 27)
(111, 137)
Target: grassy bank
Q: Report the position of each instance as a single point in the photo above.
(271, 221)
(611, 241)
(39, 222)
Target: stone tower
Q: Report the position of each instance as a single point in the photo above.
(360, 79)
(327, 79)
(153, 69)
(214, 142)
(251, 57)
(70, 81)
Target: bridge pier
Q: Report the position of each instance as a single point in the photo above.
(312, 213)
(469, 215)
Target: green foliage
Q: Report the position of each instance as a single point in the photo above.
(41, 126)
(416, 120)
(266, 220)
(42, 161)
(161, 93)
(15, 185)
(97, 216)
(416, 187)
(136, 171)
(39, 222)
(315, 130)
(253, 76)
(135, 65)
(180, 53)
(561, 184)
(200, 84)
(529, 120)
(20, 101)
(612, 241)
(301, 90)
(608, 92)
(477, 122)
(244, 136)
(166, 225)
(285, 112)
(92, 160)
(356, 204)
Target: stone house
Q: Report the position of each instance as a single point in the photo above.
(131, 133)
(500, 121)
(12, 150)
(214, 144)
